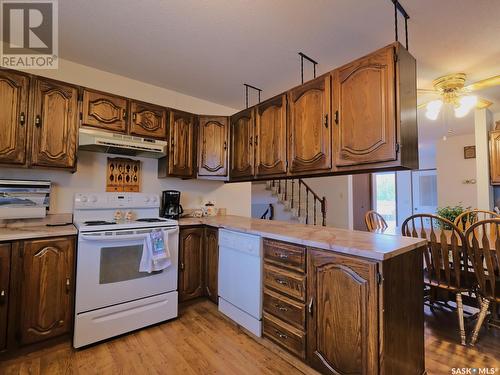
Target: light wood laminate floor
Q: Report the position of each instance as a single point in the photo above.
(201, 341)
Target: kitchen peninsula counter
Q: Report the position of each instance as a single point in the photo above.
(357, 243)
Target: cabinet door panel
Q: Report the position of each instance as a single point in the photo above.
(242, 148)
(104, 111)
(211, 263)
(213, 146)
(270, 137)
(364, 98)
(310, 147)
(148, 120)
(495, 157)
(343, 325)
(191, 264)
(46, 287)
(5, 250)
(13, 115)
(182, 144)
(55, 124)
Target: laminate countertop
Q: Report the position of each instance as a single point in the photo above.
(22, 233)
(364, 244)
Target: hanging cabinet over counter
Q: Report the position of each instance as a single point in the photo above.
(358, 118)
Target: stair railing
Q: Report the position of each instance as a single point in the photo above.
(299, 185)
(269, 211)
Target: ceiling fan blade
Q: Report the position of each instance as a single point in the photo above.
(427, 91)
(423, 105)
(484, 84)
(483, 103)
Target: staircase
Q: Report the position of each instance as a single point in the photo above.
(297, 197)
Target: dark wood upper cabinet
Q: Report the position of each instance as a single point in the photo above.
(147, 120)
(13, 117)
(309, 121)
(105, 111)
(211, 263)
(343, 322)
(364, 105)
(182, 147)
(270, 137)
(191, 263)
(495, 157)
(242, 144)
(55, 124)
(212, 144)
(46, 289)
(5, 249)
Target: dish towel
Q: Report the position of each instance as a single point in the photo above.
(155, 252)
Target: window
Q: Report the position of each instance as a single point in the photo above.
(384, 196)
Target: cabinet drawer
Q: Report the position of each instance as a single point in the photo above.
(284, 308)
(284, 335)
(285, 254)
(287, 282)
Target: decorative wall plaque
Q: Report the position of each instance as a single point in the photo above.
(469, 152)
(123, 175)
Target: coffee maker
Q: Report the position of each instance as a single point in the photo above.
(170, 204)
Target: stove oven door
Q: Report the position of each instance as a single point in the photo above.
(108, 268)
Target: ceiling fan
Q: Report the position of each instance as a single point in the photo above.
(452, 90)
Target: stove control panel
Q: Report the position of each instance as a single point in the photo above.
(116, 200)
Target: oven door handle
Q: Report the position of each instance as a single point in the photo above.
(115, 237)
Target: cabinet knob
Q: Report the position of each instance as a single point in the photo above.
(134, 116)
(124, 113)
(281, 282)
(182, 266)
(67, 285)
(22, 119)
(38, 121)
(2, 297)
(281, 335)
(225, 145)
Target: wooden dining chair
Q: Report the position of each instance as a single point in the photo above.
(375, 222)
(467, 218)
(444, 257)
(483, 246)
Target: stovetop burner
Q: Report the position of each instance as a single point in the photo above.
(151, 220)
(99, 222)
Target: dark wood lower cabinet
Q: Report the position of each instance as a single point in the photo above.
(190, 263)
(198, 263)
(343, 319)
(46, 285)
(5, 249)
(360, 316)
(211, 263)
(36, 291)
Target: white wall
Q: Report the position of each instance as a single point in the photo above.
(453, 169)
(90, 175)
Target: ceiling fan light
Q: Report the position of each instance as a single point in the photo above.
(433, 109)
(467, 102)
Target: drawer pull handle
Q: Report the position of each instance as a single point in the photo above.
(67, 285)
(282, 282)
(2, 297)
(280, 307)
(282, 256)
(38, 121)
(281, 335)
(22, 118)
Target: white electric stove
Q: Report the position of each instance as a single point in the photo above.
(112, 296)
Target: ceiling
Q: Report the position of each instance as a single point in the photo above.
(208, 49)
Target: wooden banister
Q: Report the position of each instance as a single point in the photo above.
(303, 192)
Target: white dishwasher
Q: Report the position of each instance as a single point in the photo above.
(240, 279)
